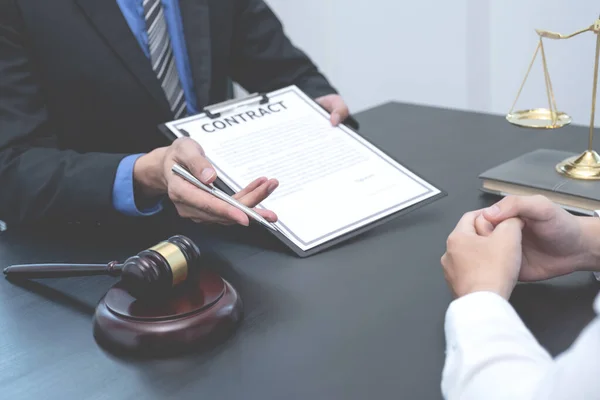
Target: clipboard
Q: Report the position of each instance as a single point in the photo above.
(174, 129)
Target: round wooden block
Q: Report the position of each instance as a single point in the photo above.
(200, 311)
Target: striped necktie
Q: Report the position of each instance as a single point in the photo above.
(161, 56)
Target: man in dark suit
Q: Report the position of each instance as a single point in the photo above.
(85, 83)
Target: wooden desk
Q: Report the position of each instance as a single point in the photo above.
(361, 321)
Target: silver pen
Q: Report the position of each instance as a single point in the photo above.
(182, 172)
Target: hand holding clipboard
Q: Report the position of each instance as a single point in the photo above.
(154, 179)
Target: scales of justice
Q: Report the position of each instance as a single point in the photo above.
(585, 166)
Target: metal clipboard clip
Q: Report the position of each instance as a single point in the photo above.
(216, 110)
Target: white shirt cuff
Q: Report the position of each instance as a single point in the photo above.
(486, 341)
(478, 314)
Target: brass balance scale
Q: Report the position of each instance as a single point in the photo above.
(585, 166)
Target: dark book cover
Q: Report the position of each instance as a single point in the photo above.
(537, 172)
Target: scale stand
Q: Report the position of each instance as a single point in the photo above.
(585, 166)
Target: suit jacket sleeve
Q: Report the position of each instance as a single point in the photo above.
(37, 179)
(264, 58)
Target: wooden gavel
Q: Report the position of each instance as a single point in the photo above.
(154, 271)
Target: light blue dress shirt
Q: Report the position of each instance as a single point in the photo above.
(133, 11)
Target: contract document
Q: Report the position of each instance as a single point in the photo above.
(332, 182)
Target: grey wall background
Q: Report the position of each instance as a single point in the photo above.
(462, 54)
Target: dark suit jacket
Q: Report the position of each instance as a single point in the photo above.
(77, 93)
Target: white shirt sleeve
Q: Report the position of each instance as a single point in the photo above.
(491, 355)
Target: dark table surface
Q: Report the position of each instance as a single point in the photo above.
(363, 320)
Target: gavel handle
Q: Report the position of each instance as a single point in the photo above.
(32, 271)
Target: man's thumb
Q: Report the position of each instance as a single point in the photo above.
(509, 228)
(537, 208)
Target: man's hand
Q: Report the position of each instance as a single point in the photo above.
(153, 177)
(336, 106)
(555, 242)
(474, 263)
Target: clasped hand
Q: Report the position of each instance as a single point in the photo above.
(519, 238)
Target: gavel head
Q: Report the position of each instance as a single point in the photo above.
(159, 269)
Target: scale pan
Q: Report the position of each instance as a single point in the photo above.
(539, 118)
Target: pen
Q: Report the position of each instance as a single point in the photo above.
(183, 173)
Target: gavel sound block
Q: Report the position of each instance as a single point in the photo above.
(164, 303)
(203, 309)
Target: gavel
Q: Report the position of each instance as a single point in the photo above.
(154, 271)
